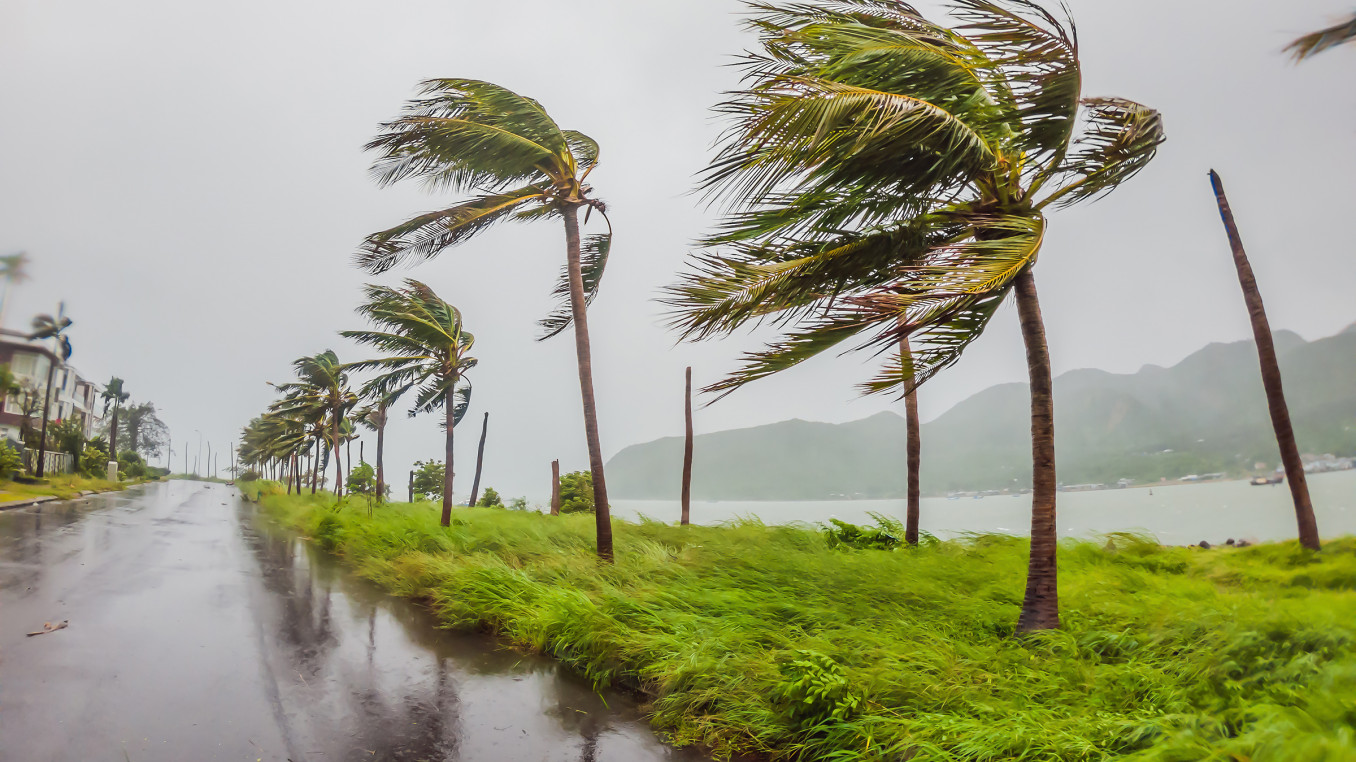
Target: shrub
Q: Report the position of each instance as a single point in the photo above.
(94, 462)
(362, 480)
(842, 534)
(9, 460)
(428, 479)
(130, 465)
(576, 492)
(490, 499)
(518, 504)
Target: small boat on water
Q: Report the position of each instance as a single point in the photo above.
(1258, 481)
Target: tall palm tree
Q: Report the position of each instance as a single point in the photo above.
(54, 328)
(888, 177)
(427, 350)
(320, 396)
(1271, 375)
(479, 138)
(1312, 44)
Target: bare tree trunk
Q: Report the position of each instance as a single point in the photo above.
(112, 431)
(381, 466)
(1040, 608)
(46, 415)
(1271, 377)
(480, 458)
(687, 449)
(601, 509)
(912, 449)
(348, 457)
(411, 486)
(450, 403)
(555, 488)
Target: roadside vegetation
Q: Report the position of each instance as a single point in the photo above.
(790, 642)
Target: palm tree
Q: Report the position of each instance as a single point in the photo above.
(114, 394)
(54, 328)
(427, 351)
(1271, 376)
(321, 397)
(476, 137)
(888, 178)
(374, 417)
(1312, 44)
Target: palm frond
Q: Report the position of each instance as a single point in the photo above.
(1311, 45)
(466, 134)
(1120, 139)
(593, 253)
(427, 235)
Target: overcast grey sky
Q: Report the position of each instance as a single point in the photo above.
(189, 178)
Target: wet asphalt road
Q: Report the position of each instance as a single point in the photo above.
(199, 632)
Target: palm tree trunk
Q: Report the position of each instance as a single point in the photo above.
(315, 465)
(381, 470)
(1271, 377)
(555, 488)
(338, 464)
(480, 458)
(348, 458)
(579, 310)
(46, 415)
(1040, 608)
(912, 449)
(450, 403)
(687, 449)
(112, 430)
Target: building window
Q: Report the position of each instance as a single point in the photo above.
(24, 363)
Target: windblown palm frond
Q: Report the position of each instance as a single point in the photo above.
(1312, 44)
(476, 137)
(880, 176)
(424, 344)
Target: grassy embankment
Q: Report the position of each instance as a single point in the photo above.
(64, 486)
(765, 639)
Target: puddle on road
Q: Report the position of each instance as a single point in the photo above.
(355, 673)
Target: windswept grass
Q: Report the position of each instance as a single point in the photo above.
(64, 486)
(765, 639)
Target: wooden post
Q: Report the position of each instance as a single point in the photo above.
(555, 488)
(687, 452)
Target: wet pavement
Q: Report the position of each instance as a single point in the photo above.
(200, 632)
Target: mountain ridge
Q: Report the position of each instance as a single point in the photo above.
(1206, 413)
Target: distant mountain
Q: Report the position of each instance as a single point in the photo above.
(1206, 414)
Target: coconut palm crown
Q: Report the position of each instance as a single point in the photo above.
(320, 398)
(890, 176)
(502, 149)
(427, 351)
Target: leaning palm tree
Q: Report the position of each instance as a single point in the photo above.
(54, 328)
(427, 352)
(1271, 375)
(373, 416)
(888, 177)
(479, 138)
(1312, 44)
(321, 397)
(114, 394)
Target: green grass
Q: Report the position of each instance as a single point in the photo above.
(764, 639)
(64, 486)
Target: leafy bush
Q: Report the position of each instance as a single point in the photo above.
(888, 535)
(68, 437)
(362, 480)
(490, 499)
(428, 479)
(251, 475)
(130, 465)
(10, 461)
(576, 492)
(94, 462)
(815, 690)
(518, 504)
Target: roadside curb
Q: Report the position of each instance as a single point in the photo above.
(27, 502)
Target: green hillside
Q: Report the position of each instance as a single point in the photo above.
(1205, 414)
